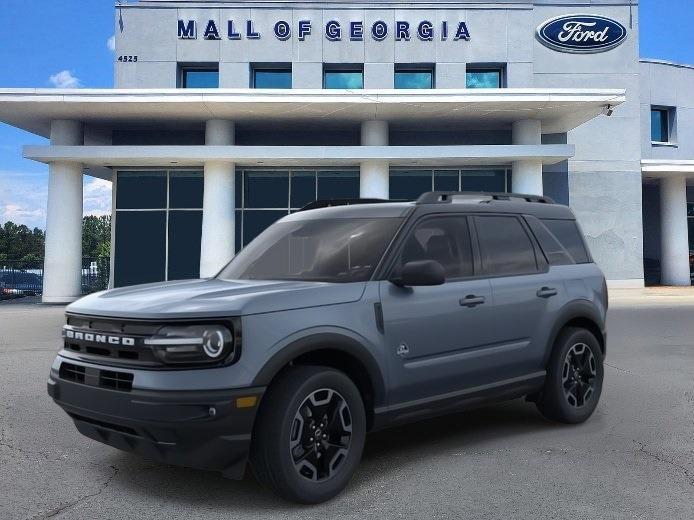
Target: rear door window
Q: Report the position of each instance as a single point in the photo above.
(568, 234)
(505, 247)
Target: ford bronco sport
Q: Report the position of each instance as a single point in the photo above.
(337, 321)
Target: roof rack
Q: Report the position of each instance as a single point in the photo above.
(327, 203)
(434, 197)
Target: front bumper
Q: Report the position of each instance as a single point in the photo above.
(199, 429)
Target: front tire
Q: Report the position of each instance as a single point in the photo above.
(309, 434)
(574, 377)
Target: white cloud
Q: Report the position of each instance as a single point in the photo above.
(23, 197)
(111, 43)
(97, 196)
(65, 79)
(16, 213)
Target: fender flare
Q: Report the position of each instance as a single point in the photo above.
(579, 309)
(322, 341)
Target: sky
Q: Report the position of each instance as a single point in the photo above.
(69, 45)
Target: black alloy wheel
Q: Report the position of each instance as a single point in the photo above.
(578, 375)
(309, 434)
(573, 383)
(321, 434)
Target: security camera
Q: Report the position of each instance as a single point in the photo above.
(608, 110)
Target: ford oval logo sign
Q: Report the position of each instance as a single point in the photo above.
(581, 34)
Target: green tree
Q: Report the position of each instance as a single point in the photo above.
(19, 243)
(96, 236)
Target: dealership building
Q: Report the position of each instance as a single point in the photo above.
(227, 115)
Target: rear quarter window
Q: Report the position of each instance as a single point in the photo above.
(569, 235)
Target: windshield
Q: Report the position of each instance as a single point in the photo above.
(326, 250)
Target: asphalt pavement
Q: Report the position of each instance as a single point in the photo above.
(634, 459)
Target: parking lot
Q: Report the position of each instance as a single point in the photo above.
(633, 459)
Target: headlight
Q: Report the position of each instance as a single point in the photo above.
(193, 344)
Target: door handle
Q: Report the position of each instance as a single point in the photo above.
(472, 301)
(547, 292)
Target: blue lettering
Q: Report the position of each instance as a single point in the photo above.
(304, 29)
(211, 31)
(462, 33)
(282, 30)
(187, 30)
(402, 31)
(356, 31)
(231, 33)
(444, 31)
(379, 30)
(425, 30)
(333, 32)
(250, 33)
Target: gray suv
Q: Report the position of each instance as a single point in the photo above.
(338, 321)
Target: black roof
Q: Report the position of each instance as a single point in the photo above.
(438, 202)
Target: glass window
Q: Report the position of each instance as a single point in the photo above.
(414, 78)
(505, 247)
(185, 231)
(446, 180)
(338, 184)
(185, 189)
(238, 230)
(141, 190)
(140, 255)
(266, 189)
(554, 251)
(409, 184)
(330, 250)
(660, 125)
(199, 77)
(445, 240)
(256, 221)
(343, 78)
(303, 188)
(568, 234)
(483, 78)
(484, 180)
(272, 78)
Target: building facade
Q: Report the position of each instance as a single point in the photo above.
(227, 115)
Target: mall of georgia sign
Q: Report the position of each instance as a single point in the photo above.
(333, 30)
(581, 34)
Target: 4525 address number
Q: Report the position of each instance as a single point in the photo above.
(127, 59)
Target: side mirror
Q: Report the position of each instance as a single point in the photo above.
(420, 273)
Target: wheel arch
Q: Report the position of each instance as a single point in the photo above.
(581, 314)
(336, 351)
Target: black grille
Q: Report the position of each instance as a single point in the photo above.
(122, 381)
(116, 354)
(71, 372)
(116, 380)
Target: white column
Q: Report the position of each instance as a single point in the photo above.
(527, 175)
(374, 174)
(674, 238)
(62, 269)
(218, 216)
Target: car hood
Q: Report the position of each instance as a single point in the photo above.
(214, 298)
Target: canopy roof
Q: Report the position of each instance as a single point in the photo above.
(560, 110)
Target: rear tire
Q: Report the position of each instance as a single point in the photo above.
(309, 435)
(574, 377)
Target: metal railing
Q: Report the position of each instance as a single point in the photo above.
(25, 278)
